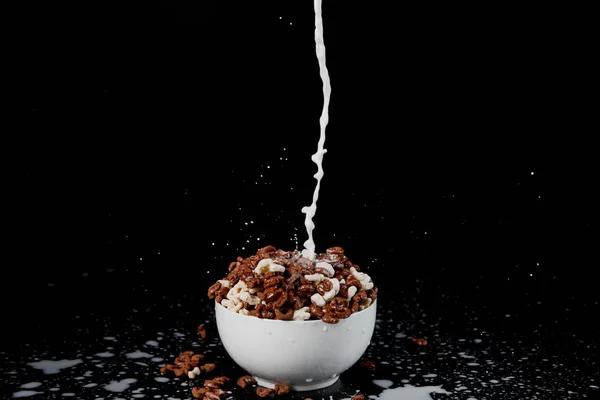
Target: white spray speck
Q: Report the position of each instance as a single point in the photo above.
(110, 338)
(152, 343)
(89, 385)
(68, 394)
(156, 359)
(430, 376)
(161, 379)
(53, 366)
(119, 386)
(400, 335)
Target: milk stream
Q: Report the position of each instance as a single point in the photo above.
(317, 158)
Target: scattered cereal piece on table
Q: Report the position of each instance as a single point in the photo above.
(367, 364)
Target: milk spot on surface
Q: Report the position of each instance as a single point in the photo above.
(31, 385)
(119, 386)
(152, 343)
(104, 354)
(161, 379)
(89, 385)
(409, 392)
(384, 383)
(52, 366)
(25, 393)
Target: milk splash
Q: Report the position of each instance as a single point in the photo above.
(317, 158)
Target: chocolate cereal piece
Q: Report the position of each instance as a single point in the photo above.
(264, 392)
(202, 331)
(198, 392)
(208, 367)
(359, 396)
(420, 341)
(214, 394)
(195, 359)
(281, 389)
(216, 383)
(367, 364)
(245, 381)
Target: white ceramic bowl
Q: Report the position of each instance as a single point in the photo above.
(307, 355)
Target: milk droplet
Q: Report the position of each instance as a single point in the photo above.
(325, 329)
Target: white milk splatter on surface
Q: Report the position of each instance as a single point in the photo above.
(53, 366)
(384, 383)
(106, 354)
(25, 393)
(31, 385)
(119, 386)
(309, 245)
(410, 393)
(152, 343)
(138, 354)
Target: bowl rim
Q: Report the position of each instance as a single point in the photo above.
(304, 321)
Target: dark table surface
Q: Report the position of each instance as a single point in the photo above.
(474, 350)
(153, 147)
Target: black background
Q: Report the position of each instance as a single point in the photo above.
(154, 146)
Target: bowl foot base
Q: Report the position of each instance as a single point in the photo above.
(299, 388)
